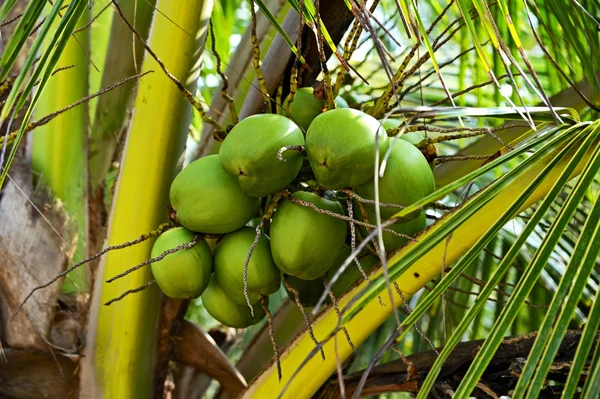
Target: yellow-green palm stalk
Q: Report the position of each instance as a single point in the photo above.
(99, 40)
(367, 319)
(123, 58)
(59, 149)
(123, 334)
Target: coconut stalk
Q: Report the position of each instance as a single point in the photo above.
(122, 337)
(59, 149)
(309, 377)
(102, 16)
(123, 59)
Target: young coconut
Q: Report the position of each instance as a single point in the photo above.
(415, 138)
(185, 273)
(352, 274)
(340, 145)
(220, 306)
(305, 243)
(249, 153)
(229, 257)
(409, 228)
(412, 137)
(407, 179)
(349, 98)
(340, 102)
(309, 291)
(306, 107)
(206, 199)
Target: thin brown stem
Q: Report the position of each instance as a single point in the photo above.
(304, 314)
(337, 310)
(343, 217)
(132, 291)
(225, 85)
(263, 303)
(160, 257)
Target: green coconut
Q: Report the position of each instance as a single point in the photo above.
(341, 103)
(219, 305)
(229, 257)
(390, 123)
(407, 178)
(305, 107)
(409, 228)
(254, 222)
(340, 145)
(249, 153)
(412, 137)
(309, 291)
(185, 273)
(349, 98)
(206, 199)
(305, 243)
(352, 275)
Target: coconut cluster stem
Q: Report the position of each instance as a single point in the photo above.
(225, 86)
(337, 310)
(382, 104)
(354, 195)
(350, 205)
(455, 158)
(266, 217)
(408, 310)
(294, 77)
(329, 99)
(350, 46)
(263, 302)
(247, 263)
(256, 58)
(372, 248)
(471, 132)
(305, 315)
(297, 148)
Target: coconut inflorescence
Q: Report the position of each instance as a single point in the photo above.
(269, 208)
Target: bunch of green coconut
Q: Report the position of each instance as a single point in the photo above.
(225, 197)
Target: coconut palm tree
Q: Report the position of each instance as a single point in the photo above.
(103, 106)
